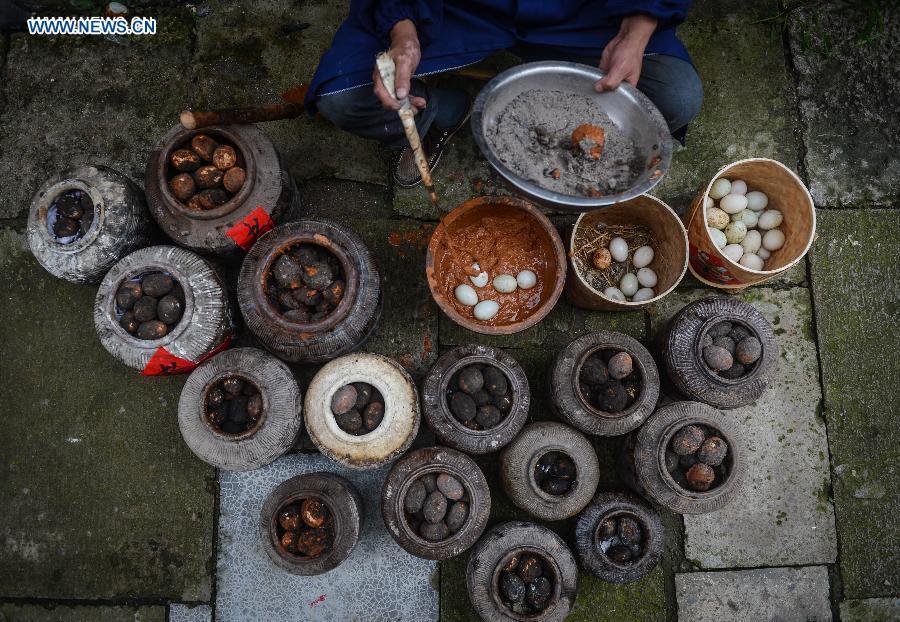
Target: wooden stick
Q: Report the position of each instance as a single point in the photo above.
(192, 119)
(387, 70)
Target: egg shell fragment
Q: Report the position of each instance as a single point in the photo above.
(720, 188)
(618, 248)
(643, 257)
(526, 279)
(466, 295)
(486, 310)
(505, 283)
(733, 203)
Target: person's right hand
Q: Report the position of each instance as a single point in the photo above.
(406, 54)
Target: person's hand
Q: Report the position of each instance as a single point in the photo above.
(623, 56)
(406, 54)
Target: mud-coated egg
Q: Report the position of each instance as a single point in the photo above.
(645, 293)
(757, 200)
(739, 186)
(752, 261)
(466, 295)
(646, 277)
(486, 310)
(505, 283)
(735, 232)
(643, 257)
(716, 218)
(752, 241)
(628, 285)
(773, 240)
(526, 279)
(614, 293)
(733, 203)
(718, 237)
(747, 216)
(720, 188)
(618, 248)
(770, 219)
(734, 252)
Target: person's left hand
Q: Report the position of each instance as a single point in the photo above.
(623, 56)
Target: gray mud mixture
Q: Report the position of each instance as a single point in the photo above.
(533, 138)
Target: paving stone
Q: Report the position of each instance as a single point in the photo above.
(190, 613)
(783, 515)
(749, 101)
(752, 595)
(101, 445)
(81, 613)
(855, 280)
(86, 100)
(379, 581)
(242, 57)
(348, 202)
(870, 610)
(845, 55)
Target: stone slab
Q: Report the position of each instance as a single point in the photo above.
(378, 582)
(855, 279)
(753, 595)
(81, 613)
(188, 613)
(783, 515)
(845, 55)
(101, 498)
(749, 105)
(89, 100)
(243, 57)
(352, 203)
(870, 610)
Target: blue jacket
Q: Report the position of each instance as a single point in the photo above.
(455, 33)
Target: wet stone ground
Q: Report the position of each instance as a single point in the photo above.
(106, 515)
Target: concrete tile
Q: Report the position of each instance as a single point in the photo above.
(870, 610)
(378, 582)
(845, 57)
(81, 613)
(81, 100)
(101, 498)
(783, 515)
(749, 100)
(856, 287)
(753, 595)
(242, 57)
(190, 613)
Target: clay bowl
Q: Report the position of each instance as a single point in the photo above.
(550, 270)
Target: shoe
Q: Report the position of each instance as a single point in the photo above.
(406, 173)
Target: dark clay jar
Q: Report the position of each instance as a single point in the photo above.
(645, 461)
(429, 464)
(341, 519)
(696, 326)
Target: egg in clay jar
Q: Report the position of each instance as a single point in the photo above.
(614, 293)
(733, 203)
(466, 295)
(618, 248)
(643, 257)
(720, 188)
(628, 285)
(505, 283)
(486, 310)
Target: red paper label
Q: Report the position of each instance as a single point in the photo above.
(710, 267)
(164, 363)
(254, 225)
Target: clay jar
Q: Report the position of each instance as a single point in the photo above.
(269, 433)
(393, 435)
(110, 222)
(681, 347)
(642, 461)
(345, 328)
(448, 428)
(499, 548)
(233, 225)
(525, 473)
(344, 505)
(435, 461)
(571, 404)
(205, 325)
(616, 523)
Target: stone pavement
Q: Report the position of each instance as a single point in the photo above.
(105, 514)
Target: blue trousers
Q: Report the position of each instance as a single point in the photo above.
(671, 83)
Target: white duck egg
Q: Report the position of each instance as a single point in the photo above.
(735, 232)
(773, 240)
(614, 293)
(629, 284)
(752, 261)
(479, 280)
(645, 293)
(770, 219)
(707, 202)
(757, 200)
(526, 279)
(486, 309)
(733, 203)
(718, 237)
(762, 252)
(747, 216)
(716, 218)
(734, 252)
(618, 248)
(643, 257)
(646, 277)
(505, 283)
(720, 188)
(739, 186)
(752, 241)
(466, 295)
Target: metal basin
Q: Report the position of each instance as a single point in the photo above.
(630, 110)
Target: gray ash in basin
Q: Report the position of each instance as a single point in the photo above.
(534, 139)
